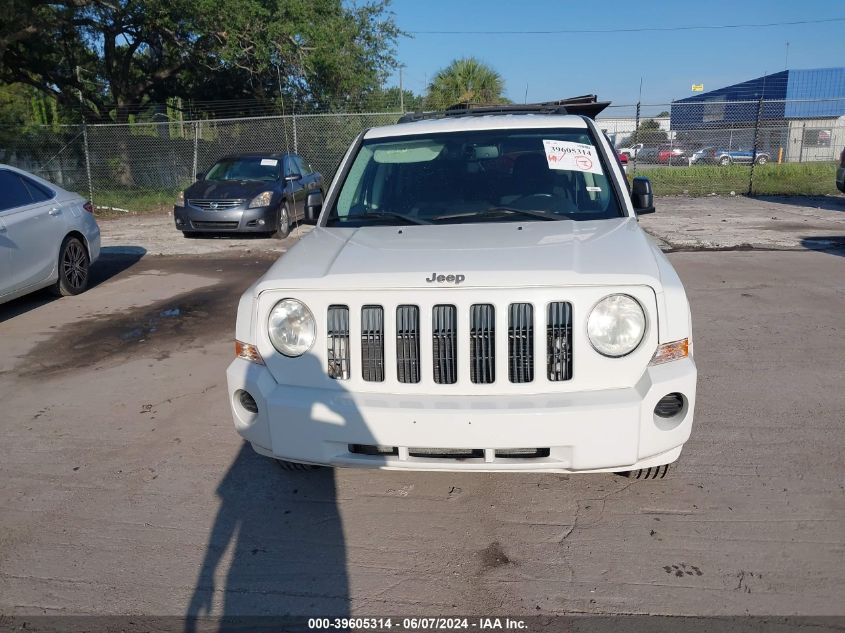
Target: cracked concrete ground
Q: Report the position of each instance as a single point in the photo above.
(125, 489)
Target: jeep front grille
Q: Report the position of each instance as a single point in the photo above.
(480, 341)
(482, 344)
(372, 343)
(559, 341)
(408, 344)
(338, 335)
(444, 332)
(521, 342)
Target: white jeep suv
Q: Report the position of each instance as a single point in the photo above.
(477, 295)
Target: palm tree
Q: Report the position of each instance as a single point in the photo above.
(465, 80)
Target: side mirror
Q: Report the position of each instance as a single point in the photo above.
(200, 175)
(313, 206)
(642, 196)
(293, 177)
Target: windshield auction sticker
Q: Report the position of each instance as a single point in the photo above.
(571, 156)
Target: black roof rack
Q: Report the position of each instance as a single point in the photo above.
(585, 105)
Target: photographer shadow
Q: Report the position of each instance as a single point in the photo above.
(277, 545)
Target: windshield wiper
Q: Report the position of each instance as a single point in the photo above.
(498, 211)
(380, 215)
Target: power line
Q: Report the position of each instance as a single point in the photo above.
(643, 29)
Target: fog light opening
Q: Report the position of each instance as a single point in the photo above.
(179, 221)
(247, 401)
(670, 405)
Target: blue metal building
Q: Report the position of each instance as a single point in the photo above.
(787, 95)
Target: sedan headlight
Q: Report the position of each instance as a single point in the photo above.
(180, 198)
(261, 200)
(292, 327)
(616, 325)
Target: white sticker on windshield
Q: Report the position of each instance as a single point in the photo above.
(593, 188)
(571, 156)
(269, 162)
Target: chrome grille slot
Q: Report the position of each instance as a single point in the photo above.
(216, 205)
(372, 343)
(521, 342)
(482, 343)
(444, 332)
(559, 341)
(408, 343)
(337, 328)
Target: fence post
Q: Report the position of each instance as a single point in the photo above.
(295, 147)
(636, 137)
(196, 149)
(756, 145)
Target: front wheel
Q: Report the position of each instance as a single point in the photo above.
(74, 265)
(762, 160)
(725, 160)
(283, 229)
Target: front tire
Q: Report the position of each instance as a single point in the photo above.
(295, 466)
(762, 160)
(724, 161)
(74, 266)
(283, 229)
(655, 472)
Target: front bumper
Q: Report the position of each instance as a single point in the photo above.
(255, 220)
(606, 430)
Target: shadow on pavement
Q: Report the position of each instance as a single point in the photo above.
(833, 244)
(281, 529)
(825, 203)
(112, 262)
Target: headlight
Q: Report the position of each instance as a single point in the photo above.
(180, 198)
(616, 325)
(292, 328)
(261, 200)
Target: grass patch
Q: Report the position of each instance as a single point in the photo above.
(807, 179)
(120, 202)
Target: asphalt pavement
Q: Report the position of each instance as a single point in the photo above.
(127, 491)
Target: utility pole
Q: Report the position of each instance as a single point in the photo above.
(401, 92)
(786, 60)
(84, 134)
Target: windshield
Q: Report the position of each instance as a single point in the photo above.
(247, 168)
(479, 176)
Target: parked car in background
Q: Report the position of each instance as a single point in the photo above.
(648, 154)
(840, 173)
(631, 151)
(48, 236)
(248, 193)
(623, 160)
(672, 155)
(716, 156)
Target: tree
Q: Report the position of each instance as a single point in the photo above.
(649, 133)
(124, 54)
(465, 80)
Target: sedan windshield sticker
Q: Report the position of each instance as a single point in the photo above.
(269, 162)
(571, 156)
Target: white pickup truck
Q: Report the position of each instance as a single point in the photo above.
(477, 294)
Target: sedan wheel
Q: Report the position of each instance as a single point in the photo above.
(724, 160)
(73, 268)
(284, 223)
(762, 160)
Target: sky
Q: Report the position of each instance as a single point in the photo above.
(611, 65)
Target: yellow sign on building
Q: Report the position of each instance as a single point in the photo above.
(698, 87)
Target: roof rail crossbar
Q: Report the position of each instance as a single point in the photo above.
(585, 105)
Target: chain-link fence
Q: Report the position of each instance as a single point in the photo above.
(731, 147)
(685, 148)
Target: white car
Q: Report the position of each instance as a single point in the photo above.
(48, 236)
(631, 152)
(477, 295)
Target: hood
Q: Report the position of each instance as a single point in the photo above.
(560, 253)
(227, 189)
